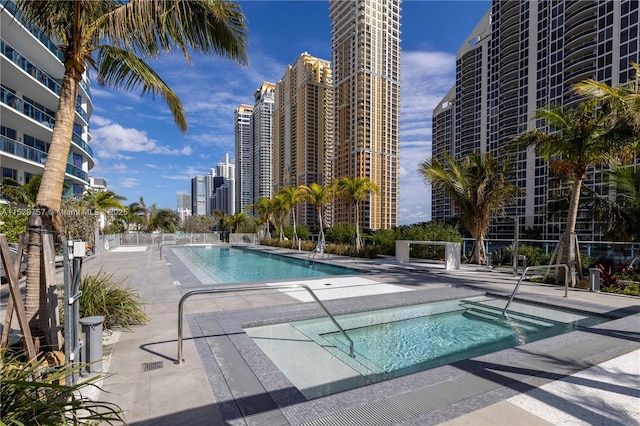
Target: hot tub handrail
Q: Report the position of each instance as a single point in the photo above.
(163, 243)
(180, 360)
(524, 273)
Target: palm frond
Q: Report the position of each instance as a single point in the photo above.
(188, 25)
(124, 70)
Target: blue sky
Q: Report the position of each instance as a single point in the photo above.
(140, 151)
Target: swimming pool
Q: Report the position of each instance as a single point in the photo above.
(394, 342)
(218, 264)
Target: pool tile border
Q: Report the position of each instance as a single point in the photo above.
(518, 369)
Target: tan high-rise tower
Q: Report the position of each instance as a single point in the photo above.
(303, 130)
(365, 40)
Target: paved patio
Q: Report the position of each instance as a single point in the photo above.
(583, 377)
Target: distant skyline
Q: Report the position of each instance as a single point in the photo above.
(140, 151)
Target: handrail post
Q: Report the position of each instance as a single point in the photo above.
(524, 273)
(183, 299)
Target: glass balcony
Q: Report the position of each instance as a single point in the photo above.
(44, 78)
(38, 115)
(53, 47)
(18, 149)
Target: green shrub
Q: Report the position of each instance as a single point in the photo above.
(340, 234)
(15, 222)
(34, 393)
(534, 255)
(120, 307)
(632, 289)
(369, 252)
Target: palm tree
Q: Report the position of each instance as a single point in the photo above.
(104, 202)
(165, 220)
(133, 215)
(239, 221)
(355, 191)
(478, 188)
(621, 101)
(144, 213)
(320, 196)
(265, 208)
(580, 138)
(619, 210)
(292, 196)
(21, 194)
(116, 37)
(280, 209)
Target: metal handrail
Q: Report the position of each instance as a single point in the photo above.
(524, 273)
(162, 244)
(180, 360)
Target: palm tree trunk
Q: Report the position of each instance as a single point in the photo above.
(294, 237)
(357, 224)
(321, 233)
(48, 202)
(566, 250)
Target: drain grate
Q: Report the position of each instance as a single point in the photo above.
(148, 366)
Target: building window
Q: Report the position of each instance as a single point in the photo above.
(9, 173)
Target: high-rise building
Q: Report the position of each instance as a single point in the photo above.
(303, 130)
(523, 56)
(365, 40)
(223, 190)
(31, 69)
(199, 195)
(243, 158)
(262, 140)
(183, 205)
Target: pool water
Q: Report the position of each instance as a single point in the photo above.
(213, 264)
(394, 342)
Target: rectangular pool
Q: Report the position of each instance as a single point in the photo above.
(393, 342)
(218, 264)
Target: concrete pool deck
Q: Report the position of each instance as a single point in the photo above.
(584, 377)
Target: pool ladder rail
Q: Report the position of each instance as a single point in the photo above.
(319, 250)
(183, 299)
(524, 274)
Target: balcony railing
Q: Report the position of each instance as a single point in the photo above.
(30, 110)
(19, 149)
(44, 78)
(27, 108)
(11, 7)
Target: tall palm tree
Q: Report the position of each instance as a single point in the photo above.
(292, 196)
(355, 191)
(478, 187)
(116, 37)
(320, 196)
(580, 138)
(280, 209)
(265, 208)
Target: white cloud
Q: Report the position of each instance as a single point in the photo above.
(110, 139)
(127, 183)
(426, 78)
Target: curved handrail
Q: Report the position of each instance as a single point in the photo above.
(163, 243)
(524, 273)
(180, 360)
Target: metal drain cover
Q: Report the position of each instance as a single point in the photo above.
(148, 366)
